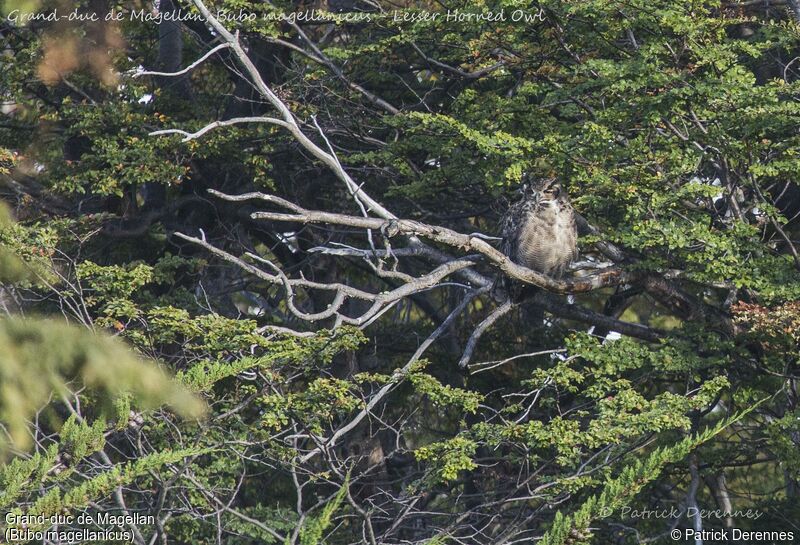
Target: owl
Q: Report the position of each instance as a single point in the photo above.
(539, 230)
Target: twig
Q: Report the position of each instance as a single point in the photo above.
(397, 376)
(487, 365)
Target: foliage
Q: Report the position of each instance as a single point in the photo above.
(671, 125)
(620, 490)
(41, 357)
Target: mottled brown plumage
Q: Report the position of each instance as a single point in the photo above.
(539, 230)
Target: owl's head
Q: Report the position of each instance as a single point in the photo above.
(543, 190)
(550, 190)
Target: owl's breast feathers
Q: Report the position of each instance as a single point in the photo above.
(541, 235)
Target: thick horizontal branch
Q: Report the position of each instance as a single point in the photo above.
(610, 277)
(552, 304)
(557, 307)
(676, 300)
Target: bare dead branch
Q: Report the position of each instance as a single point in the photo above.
(288, 117)
(487, 365)
(211, 126)
(341, 291)
(609, 277)
(555, 306)
(186, 70)
(477, 333)
(397, 376)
